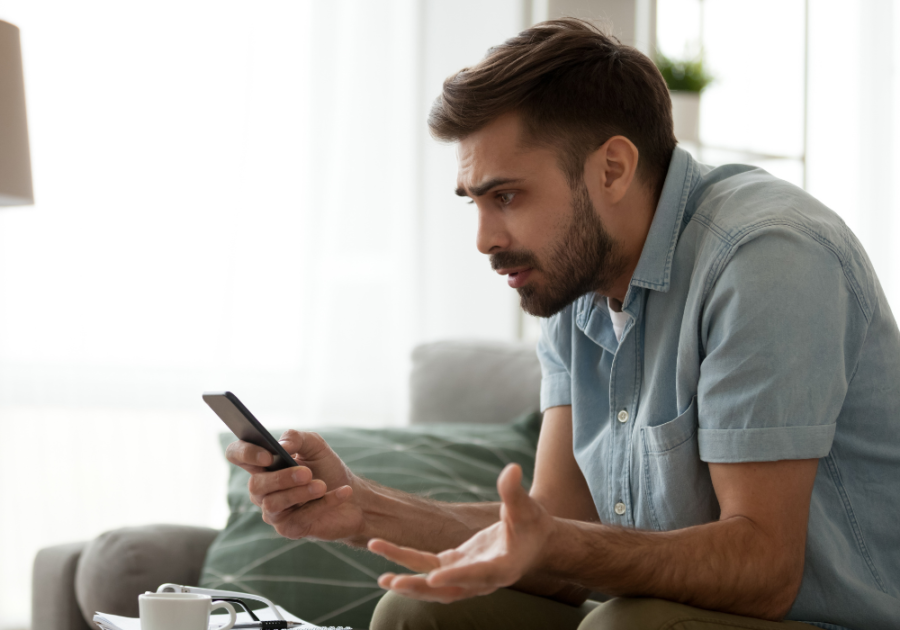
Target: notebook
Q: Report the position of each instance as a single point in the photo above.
(115, 622)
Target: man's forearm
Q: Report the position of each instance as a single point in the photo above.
(414, 521)
(728, 565)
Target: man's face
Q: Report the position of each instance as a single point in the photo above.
(544, 235)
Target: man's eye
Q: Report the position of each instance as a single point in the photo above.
(506, 198)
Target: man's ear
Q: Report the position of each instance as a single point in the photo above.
(610, 170)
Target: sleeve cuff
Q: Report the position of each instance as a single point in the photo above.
(730, 446)
(556, 390)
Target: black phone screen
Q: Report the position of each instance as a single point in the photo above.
(246, 427)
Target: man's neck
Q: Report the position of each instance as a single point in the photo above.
(635, 214)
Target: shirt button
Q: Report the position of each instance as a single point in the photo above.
(623, 416)
(620, 508)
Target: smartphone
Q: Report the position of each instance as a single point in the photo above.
(242, 423)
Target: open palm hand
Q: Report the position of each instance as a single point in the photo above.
(495, 557)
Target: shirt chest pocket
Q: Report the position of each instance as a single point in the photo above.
(676, 483)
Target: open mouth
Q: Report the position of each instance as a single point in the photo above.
(517, 279)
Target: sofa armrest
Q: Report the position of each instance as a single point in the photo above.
(53, 603)
(121, 564)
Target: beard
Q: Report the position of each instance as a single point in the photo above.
(584, 260)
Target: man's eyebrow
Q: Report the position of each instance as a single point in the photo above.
(481, 189)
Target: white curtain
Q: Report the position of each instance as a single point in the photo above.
(230, 195)
(854, 122)
(220, 205)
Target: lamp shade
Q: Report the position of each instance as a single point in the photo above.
(15, 157)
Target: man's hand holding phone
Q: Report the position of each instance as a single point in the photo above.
(306, 491)
(319, 498)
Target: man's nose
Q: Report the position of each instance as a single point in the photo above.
(492, 235)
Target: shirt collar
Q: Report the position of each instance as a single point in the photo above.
(654, 267)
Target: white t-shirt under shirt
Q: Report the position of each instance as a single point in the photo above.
(619, 319)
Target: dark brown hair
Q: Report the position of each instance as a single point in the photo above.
(575, 88)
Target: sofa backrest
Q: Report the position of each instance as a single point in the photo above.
(473, 381)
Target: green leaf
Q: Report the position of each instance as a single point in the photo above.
(685, 75)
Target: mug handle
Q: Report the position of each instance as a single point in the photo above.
(216, 605)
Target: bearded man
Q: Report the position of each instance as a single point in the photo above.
(721, 381)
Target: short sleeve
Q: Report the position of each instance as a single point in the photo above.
(556, 382)
(782, 332)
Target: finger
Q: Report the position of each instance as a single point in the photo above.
(416, 587)
(253, 470)
(248, 455)
(385, 579)
(291, 441)
(298, 522)
(515, 498)
(413, 559)
(277, 502)
(265, 483)
(308, 446)
(478, 575)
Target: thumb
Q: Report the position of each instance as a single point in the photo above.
(292, 442)
(516, 501)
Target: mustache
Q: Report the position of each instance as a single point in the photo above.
(502, 260)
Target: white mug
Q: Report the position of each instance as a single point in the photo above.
(180, 611)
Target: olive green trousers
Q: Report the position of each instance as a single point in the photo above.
(511, 610)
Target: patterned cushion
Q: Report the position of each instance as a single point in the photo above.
(331, 582)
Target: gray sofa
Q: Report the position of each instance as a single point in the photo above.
(450, 381)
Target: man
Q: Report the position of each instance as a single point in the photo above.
(721, 381)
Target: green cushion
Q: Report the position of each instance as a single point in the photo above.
(331, 582)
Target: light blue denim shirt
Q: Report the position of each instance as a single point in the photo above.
(757, 331)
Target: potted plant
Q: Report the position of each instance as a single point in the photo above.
(685, 79)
